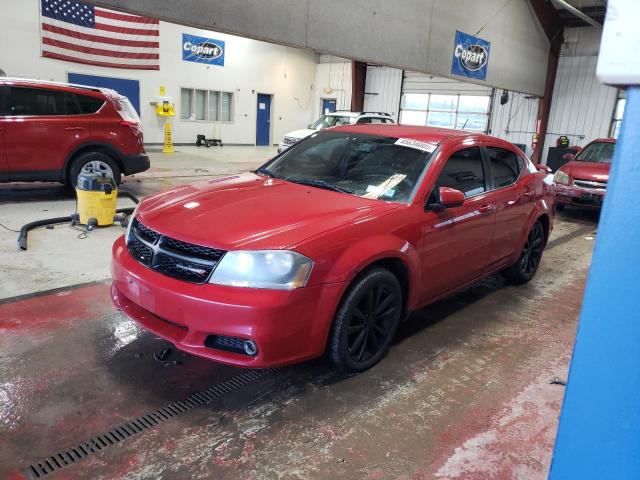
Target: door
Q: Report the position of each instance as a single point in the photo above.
(328, 105)
(263, 119)
(513, 193)
(42, 127)
(456, 241)
(124, 86)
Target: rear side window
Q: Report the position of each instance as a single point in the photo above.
(464, 171)
(35, 101)
(505, 166)
(89, 104)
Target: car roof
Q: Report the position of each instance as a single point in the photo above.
(604, 140)
(424, 134)
(346, 113)
(48, 83)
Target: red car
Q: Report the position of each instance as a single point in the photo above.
(327, 246)
(583, 180)
(52, 132)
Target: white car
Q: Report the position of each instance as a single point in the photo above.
(334, 119)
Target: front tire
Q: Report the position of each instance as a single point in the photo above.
(94, 162)
(529, 261)
(366, 320)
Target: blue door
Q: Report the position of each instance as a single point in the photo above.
(263, 119)
(328, 105)
(128, 88)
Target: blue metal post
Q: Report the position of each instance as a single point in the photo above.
(599, 432)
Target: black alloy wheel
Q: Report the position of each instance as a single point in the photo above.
(529, 260)
(366, 320)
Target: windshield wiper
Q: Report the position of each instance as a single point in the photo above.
(269, 173)
(319, 183)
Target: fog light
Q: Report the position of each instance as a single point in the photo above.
(250, 347)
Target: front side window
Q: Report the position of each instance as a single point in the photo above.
(327, 121)
(36, 101)
(464, 171)
(368, 166)
(599, 152)
(505, 166)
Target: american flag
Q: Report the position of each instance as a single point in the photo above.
(83, 33)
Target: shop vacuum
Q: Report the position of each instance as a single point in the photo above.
(96, 198)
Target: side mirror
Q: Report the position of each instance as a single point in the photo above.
(567, 157)
(447, 198)
(544, 168)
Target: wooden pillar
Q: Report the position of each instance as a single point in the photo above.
(553, 27)
(358, 82)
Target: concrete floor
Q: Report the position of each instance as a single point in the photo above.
(464, 392)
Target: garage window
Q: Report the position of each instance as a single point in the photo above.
(206, 105)
(463, 112)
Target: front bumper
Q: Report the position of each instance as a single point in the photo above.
(287, 326)
(582, 197)
(135, 163)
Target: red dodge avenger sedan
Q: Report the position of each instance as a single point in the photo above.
(329, 245)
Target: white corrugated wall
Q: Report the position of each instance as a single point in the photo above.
(582, 107)
(415, 82)
(516, 120)
(382, 90)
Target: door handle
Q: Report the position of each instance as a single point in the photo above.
(529, 194)
(74, 129)
(489, 208)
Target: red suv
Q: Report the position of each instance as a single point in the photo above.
(53, 131)
(327, 246)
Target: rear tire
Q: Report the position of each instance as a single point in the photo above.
(366, 320)
(97, 162)
(529, 261)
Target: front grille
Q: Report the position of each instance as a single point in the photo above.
(140, 251)
(171, 257)
(590, 184)
(189, 249)
(290, 140)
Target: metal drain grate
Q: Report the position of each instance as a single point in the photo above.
(120, 433)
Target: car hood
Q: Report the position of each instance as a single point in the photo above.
(593, 171)
(249, 211)
(302, 133)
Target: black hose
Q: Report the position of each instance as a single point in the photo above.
(129, 195)
(24, 231)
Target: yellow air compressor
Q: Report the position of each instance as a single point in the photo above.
(97, 196)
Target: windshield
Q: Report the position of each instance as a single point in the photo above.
(600, 152)
(368, 166)
(327, 121)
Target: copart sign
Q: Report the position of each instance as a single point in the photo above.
(202, 50)
(470, 56)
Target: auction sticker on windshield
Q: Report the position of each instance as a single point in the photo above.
(424, 146)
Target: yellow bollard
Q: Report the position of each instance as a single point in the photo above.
(168, 142)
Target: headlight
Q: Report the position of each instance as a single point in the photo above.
(273, 269)
(561, 178)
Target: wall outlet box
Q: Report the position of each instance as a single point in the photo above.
(619, 62)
